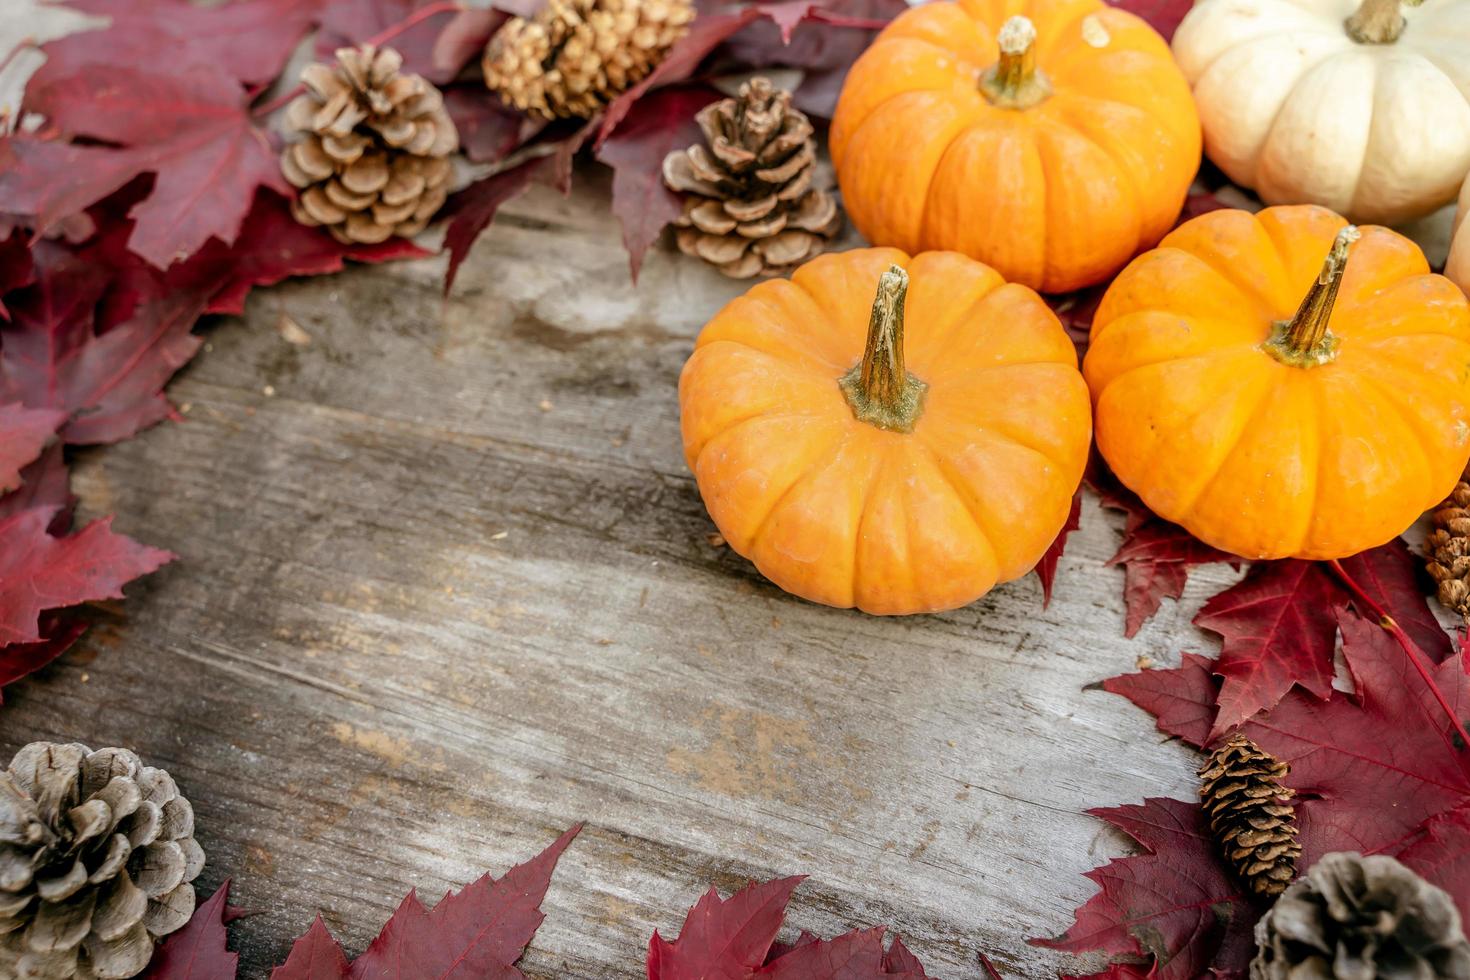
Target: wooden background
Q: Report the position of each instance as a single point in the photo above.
(445, 589)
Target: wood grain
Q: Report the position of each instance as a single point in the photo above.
(446, 589)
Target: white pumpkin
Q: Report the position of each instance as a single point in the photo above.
(1457, 267)
(1364, 109)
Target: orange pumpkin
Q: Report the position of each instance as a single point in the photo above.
(1054, 145)
(1276, 404)
(901, 454)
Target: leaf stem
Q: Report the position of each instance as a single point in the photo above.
(1410, 648)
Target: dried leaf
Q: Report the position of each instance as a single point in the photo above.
(654, 127)
(39, 572)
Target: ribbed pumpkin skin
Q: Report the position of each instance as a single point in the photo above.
(1259, 458)
(844, 513)
(1057, 196)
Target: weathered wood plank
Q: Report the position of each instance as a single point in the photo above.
(445, 589)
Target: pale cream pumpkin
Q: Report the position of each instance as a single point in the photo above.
(1458, 266)
(1356, 105)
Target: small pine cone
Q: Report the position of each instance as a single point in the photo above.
(369, 148)
(97, 853)
(576, 56)
(1355, 917)
(1250, 813)
(750, 207)
(1449, 550)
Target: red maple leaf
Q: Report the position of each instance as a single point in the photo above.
(24, 432)
(39, 572)
(57, 635)
(350, 22)
(655, 126)
(1156, 555)
(1279, 625)
(735, 938)
(249, 40)
(1441, 854)
(479, 932)
(1175, 904)
(43, 483)
(194, 131)
(16, 267)
(197, 951)
(1162, 15)
(1181, 699)
(1046, 569)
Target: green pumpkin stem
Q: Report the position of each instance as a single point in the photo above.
(1304, 340)
(878, 388)
(1377, 21)
(1015, 82)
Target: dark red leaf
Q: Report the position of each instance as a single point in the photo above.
(705, 34)
(655, 126)
(44, 483)
(1391, 743)
(46, 183)
(1162, 15)
(194, 131)
(24, 432)
(734, 939)
(39, 572)
(111, 385)
(351, 22)
(1175, 904)
(1181, 699)
(1442, 855)
(1046, 569)
(272, 246)
(488, 131)
(1279, 625)
(315, 956)
(57, 635)
(249, 40)
(16, 267)
(479, 932)
(462, 40)
(197, 951)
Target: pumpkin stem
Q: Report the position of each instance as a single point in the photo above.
(1377, 21)
(1304, 340)
(1015, 82)
(878, 388)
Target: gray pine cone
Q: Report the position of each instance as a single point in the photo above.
(1360, 918)
(97, 853)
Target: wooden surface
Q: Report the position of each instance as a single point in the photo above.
(445, 589)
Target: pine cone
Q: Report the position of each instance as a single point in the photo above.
(576, 56)
(1250, 814)
(749, 204)
(371, 147)
(97, 853)
(1356, 918)
(1449, 550)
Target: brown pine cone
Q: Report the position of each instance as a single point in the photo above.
(370, 147)
(1355, 917)
(749, 204)
(1250, 813)
(576, 56)
(97, 853)
(1449, 550)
